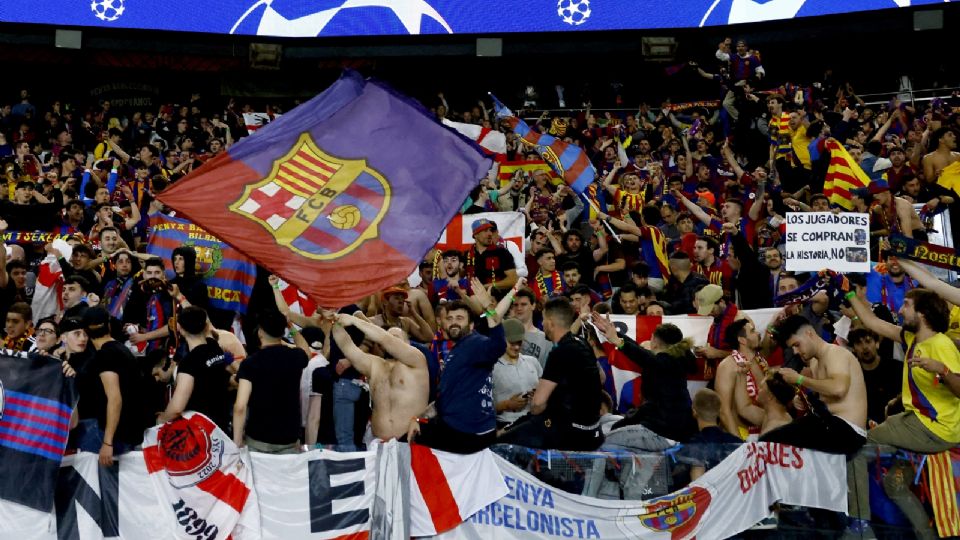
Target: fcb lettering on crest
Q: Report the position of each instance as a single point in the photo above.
(678, 513)
(317, 205)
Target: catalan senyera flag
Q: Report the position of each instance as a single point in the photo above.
(568, 160)
(341, 196)
(843, 175)
(943, 475)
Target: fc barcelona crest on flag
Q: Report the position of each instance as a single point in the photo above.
(317, 205)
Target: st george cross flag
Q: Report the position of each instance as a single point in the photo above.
(227, 273)
(200, 473)
(356, 175)
(568, 160)
(491, 140)
(35, 406)
(446, 489)
(296, 300)
(459, 234)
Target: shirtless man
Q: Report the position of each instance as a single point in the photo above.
(745, 340)
(834, 373)
(398, 386)
(945, 141)
(769, 408)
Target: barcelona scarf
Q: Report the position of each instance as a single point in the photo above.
(117, 295)
(826, 280)
(924, 252)
(156, 319)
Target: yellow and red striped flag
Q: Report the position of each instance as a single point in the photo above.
(508, 168)
(942, 474)
(843, 175)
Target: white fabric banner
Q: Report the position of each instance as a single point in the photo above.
(322, 495)
(728, 499)
(201, 474)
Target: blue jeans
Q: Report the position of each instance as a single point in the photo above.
(89, 438)
(345, 397)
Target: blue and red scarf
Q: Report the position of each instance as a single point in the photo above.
(117, 295)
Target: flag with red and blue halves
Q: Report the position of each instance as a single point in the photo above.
(569, 161)
(36, 401)
(342, 196)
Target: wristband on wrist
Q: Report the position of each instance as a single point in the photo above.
(108, 444)
(621, 344)
(276, 287)
(800, 381)
(850, 295)
(490, 313)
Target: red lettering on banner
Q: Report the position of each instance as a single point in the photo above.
(764, 455)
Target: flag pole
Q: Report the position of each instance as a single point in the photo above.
(597, 209)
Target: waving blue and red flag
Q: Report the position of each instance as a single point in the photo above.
(35, 406)
(568, 160)
(341, 196)
(228, 274)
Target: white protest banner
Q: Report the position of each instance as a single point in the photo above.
(727, 500)
(824, 240)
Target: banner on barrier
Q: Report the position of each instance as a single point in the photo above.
(323, 495)
(728, 499)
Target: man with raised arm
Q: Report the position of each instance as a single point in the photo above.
(930, 423)
(399, 382)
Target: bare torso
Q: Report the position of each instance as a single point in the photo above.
(399, 393)
(936, 161)
(852, 406)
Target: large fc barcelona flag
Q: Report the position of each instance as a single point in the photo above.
(35, 406)
(341, 196)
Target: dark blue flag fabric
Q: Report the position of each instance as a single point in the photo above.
(36, 401)
(342, 196)
(227, 273)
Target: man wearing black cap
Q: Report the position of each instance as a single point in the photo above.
(119, 407)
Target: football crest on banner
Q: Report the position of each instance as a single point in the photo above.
(678, 513)
(107, 10)
(190, 453)
(317, 205)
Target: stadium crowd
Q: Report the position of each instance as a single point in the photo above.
(492, 345)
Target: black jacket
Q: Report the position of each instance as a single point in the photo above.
(666, 409)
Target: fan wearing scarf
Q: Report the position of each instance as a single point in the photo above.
(117, 292)
(150, 307)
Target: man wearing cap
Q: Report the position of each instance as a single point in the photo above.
(399, 381)
(895, 214)
(487, 261)
(710, 301)
(118, 400)
(565, 407)
(397, 313)
(515, 376)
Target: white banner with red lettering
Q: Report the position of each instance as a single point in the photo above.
(323, 495)
(728, 499)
